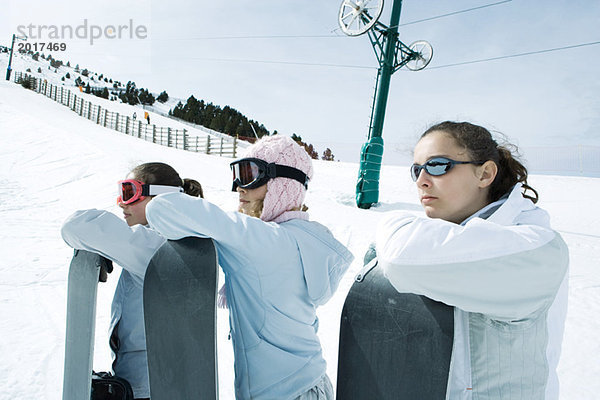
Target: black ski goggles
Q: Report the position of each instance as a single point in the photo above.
(250, 173)
(436, 166)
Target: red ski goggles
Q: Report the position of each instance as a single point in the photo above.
(250, 173)
(131, 190)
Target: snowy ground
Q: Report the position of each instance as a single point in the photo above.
(53, 162)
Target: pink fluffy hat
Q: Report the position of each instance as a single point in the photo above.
(283, 194)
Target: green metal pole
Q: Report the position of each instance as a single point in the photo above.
(9, 69)
(367, 187)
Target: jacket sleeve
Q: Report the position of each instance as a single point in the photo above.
(106, 234)
(177, 215)
(507, 272)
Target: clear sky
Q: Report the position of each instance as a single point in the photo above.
(287, 65)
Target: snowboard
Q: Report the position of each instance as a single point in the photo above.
(84, 272)
(392, 345)
(180, 291)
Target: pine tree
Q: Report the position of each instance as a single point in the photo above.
(163, 97)
(54, 62)
(311, 151)
(146, 97)
(101, 93)
(130, 96)
(26, 83)
(328, 155)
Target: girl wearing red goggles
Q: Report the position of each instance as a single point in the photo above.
(132, 190)
(133, 196)
(105, 233)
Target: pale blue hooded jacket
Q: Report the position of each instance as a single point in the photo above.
(106, 234)
(275, 275)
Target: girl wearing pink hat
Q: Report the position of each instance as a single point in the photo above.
(279, 267)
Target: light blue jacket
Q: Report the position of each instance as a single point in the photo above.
(131, 248)
(275, 275)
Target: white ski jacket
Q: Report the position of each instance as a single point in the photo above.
(505, 272)
(106, 234)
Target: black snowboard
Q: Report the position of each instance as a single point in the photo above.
(392, 345)
(180, 291)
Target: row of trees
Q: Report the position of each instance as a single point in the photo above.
(312, 152)
(226, 120)
(132, 95)
(230, 121)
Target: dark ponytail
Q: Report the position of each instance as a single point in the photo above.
(193, 188)
(510, 171)
(481, 147)
(158, 173)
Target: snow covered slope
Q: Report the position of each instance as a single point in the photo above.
(53, 162)
(158, 112)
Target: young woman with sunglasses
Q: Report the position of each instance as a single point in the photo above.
(488, 250)
(129, 243)
(279, 267)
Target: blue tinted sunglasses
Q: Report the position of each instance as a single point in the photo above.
(436, 166)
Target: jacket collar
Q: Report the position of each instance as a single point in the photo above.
(506, 209)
